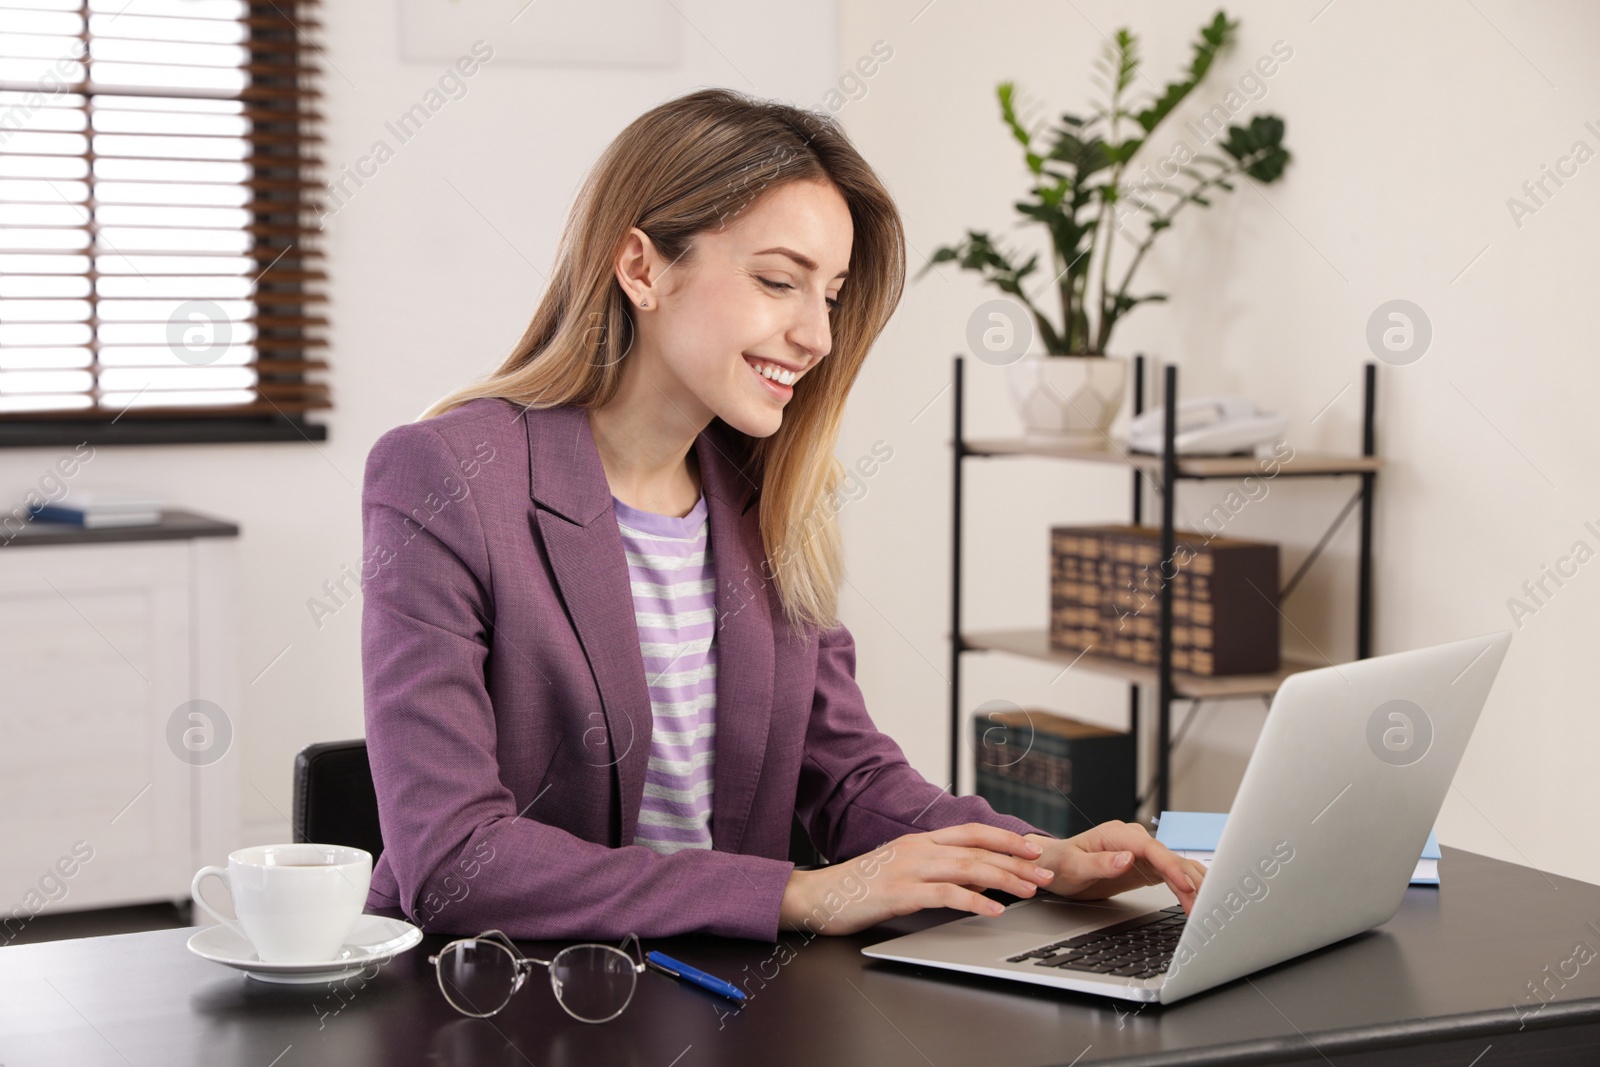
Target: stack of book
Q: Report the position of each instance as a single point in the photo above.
(1056, 773)
(1105, 588)
(94, 508)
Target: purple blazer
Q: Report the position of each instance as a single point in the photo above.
(508, 718)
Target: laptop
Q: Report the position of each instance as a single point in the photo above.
(1337, 801)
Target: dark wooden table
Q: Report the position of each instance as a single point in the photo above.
(1449, 980)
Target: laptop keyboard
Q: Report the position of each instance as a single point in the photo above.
(1137, 948)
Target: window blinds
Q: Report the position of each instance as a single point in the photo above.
(159, 251)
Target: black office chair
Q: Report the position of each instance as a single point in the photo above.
(334, 800)
(335, 803)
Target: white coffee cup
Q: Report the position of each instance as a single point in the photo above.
(295, 903)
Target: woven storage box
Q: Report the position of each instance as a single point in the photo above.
(1056, 773)
(1105, 595)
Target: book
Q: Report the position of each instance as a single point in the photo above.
(1051, 771)
(94, 508)
(96, 519)
(1105, 588)
(1194, 835)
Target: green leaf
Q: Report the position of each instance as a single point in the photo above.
(1121, 153)
(1126, 53)
(1123, 304)
(1008, 113)
(942, 254)
(1269, 168)
(1213, 38)
(1258, 148)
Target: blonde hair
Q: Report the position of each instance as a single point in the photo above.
(693, 165)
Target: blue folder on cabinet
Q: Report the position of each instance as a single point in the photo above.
(1194, 835)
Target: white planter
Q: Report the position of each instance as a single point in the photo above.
(1068, 399)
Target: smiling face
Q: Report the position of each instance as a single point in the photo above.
(729, 330)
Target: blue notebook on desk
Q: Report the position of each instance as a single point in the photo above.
(1194, 835)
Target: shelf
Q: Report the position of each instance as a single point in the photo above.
(1035, 644)
(1304, 464)
(1149, 472)
(175, 525)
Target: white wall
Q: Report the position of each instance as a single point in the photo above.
(1410, 126)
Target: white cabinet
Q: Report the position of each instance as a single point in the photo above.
(115, 784)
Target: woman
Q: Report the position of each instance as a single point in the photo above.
(603, 665)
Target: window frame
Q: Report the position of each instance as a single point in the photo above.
(284, 133)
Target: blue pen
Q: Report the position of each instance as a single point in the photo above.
(677, 969)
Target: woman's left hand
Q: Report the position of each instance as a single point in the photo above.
(1113, 858)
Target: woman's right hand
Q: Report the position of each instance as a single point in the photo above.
(946, 868)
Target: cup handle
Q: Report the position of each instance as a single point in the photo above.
(221, 874)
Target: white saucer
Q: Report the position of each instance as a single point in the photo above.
(373, 940)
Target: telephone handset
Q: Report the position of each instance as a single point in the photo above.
(1219, 425)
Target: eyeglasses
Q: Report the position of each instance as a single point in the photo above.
(593, 983)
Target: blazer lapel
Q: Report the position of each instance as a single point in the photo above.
(586, 554)
(746, 657)
(591, 571)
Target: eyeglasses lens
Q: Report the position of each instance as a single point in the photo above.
(593, 982)
(477, 976)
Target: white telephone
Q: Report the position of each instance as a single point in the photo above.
(1215, 426)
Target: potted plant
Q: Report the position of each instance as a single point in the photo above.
(1085, 191)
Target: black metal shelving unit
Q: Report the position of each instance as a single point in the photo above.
(1165, 471)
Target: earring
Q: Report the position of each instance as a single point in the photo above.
(644, 303)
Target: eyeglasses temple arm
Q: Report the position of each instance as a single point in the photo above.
(638, 951)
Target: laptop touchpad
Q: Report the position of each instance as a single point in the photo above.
(1050, 914)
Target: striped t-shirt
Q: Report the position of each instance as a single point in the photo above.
(674, 587)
